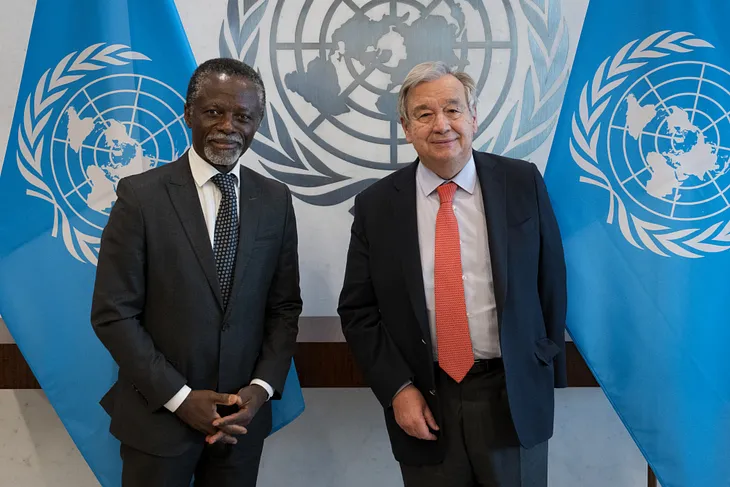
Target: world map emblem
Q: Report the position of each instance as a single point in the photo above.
(669, 156)
(652, 129)
(88, 124)
(333, 69)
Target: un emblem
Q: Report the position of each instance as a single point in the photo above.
(336, 66)
(110, 126)
(650, 133)
(350, 84)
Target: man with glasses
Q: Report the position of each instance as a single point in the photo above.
(454, 299)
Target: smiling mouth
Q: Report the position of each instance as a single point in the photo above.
(224, 144)
(443, 142)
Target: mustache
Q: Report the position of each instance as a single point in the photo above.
(221, 137)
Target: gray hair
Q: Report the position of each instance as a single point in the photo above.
(431, 71)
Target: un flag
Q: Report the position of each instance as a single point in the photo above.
(101, 98)
(640, 178)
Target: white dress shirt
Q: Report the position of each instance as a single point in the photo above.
(210, 200)
(481, 304)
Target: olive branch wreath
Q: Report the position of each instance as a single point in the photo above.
(595, 97)
(544, 86)
(39, 107)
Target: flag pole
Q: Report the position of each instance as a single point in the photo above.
(652, 478)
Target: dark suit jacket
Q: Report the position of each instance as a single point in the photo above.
(157, 304)
(383, 307)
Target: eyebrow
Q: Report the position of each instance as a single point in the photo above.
(451, 101)
(421, 107)
(214, 104)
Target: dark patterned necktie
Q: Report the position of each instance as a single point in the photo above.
(225, 239)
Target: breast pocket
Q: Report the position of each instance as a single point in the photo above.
(264, 256)
(268, 235)
(266, 242)
(521, 224)
(523, 244)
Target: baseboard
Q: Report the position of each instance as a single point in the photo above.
(320, 364)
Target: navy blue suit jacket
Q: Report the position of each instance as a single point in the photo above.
(383, 308)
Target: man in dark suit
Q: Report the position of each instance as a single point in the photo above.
(199, 311)
(454, 299)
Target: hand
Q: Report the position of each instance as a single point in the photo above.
(198, 410)
(250, 400)
(413, 415)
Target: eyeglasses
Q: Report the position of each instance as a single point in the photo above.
(428, 117)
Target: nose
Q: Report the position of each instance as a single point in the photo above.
(441, 123)
(225, 124)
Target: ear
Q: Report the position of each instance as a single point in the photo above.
(187, 113)
(474, 123)
(405, 126)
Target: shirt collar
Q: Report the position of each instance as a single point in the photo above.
(429, 180)
(203, 172)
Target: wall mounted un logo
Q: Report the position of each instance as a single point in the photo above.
(666, 132)
(109, 127)
(349, 70)
(333, 69)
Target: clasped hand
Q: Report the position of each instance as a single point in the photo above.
(199, 411)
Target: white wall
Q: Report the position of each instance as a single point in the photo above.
(323, 231)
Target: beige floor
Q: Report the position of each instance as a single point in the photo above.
(338, 442)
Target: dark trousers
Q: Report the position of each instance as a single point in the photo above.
(482, 448)
(212, 465)
(216, 465)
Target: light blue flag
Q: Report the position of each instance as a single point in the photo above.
(101, 98)
(639, 176)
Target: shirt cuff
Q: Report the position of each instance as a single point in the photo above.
(265, 385)
(178, 399)
(400, 390)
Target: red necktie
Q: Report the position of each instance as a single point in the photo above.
(455, 353)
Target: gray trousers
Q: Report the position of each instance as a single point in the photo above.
(482, 448)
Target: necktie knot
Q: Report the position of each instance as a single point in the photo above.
(226, 183)
(446, 192)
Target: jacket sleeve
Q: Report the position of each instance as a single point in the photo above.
(552, 278)
(119, 299)
(374, 350)
(283, 307)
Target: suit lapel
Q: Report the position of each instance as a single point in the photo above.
(248, 218)
(406, 239)
(184, 196)
(494, 193)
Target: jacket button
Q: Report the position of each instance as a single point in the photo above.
(432, 392)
